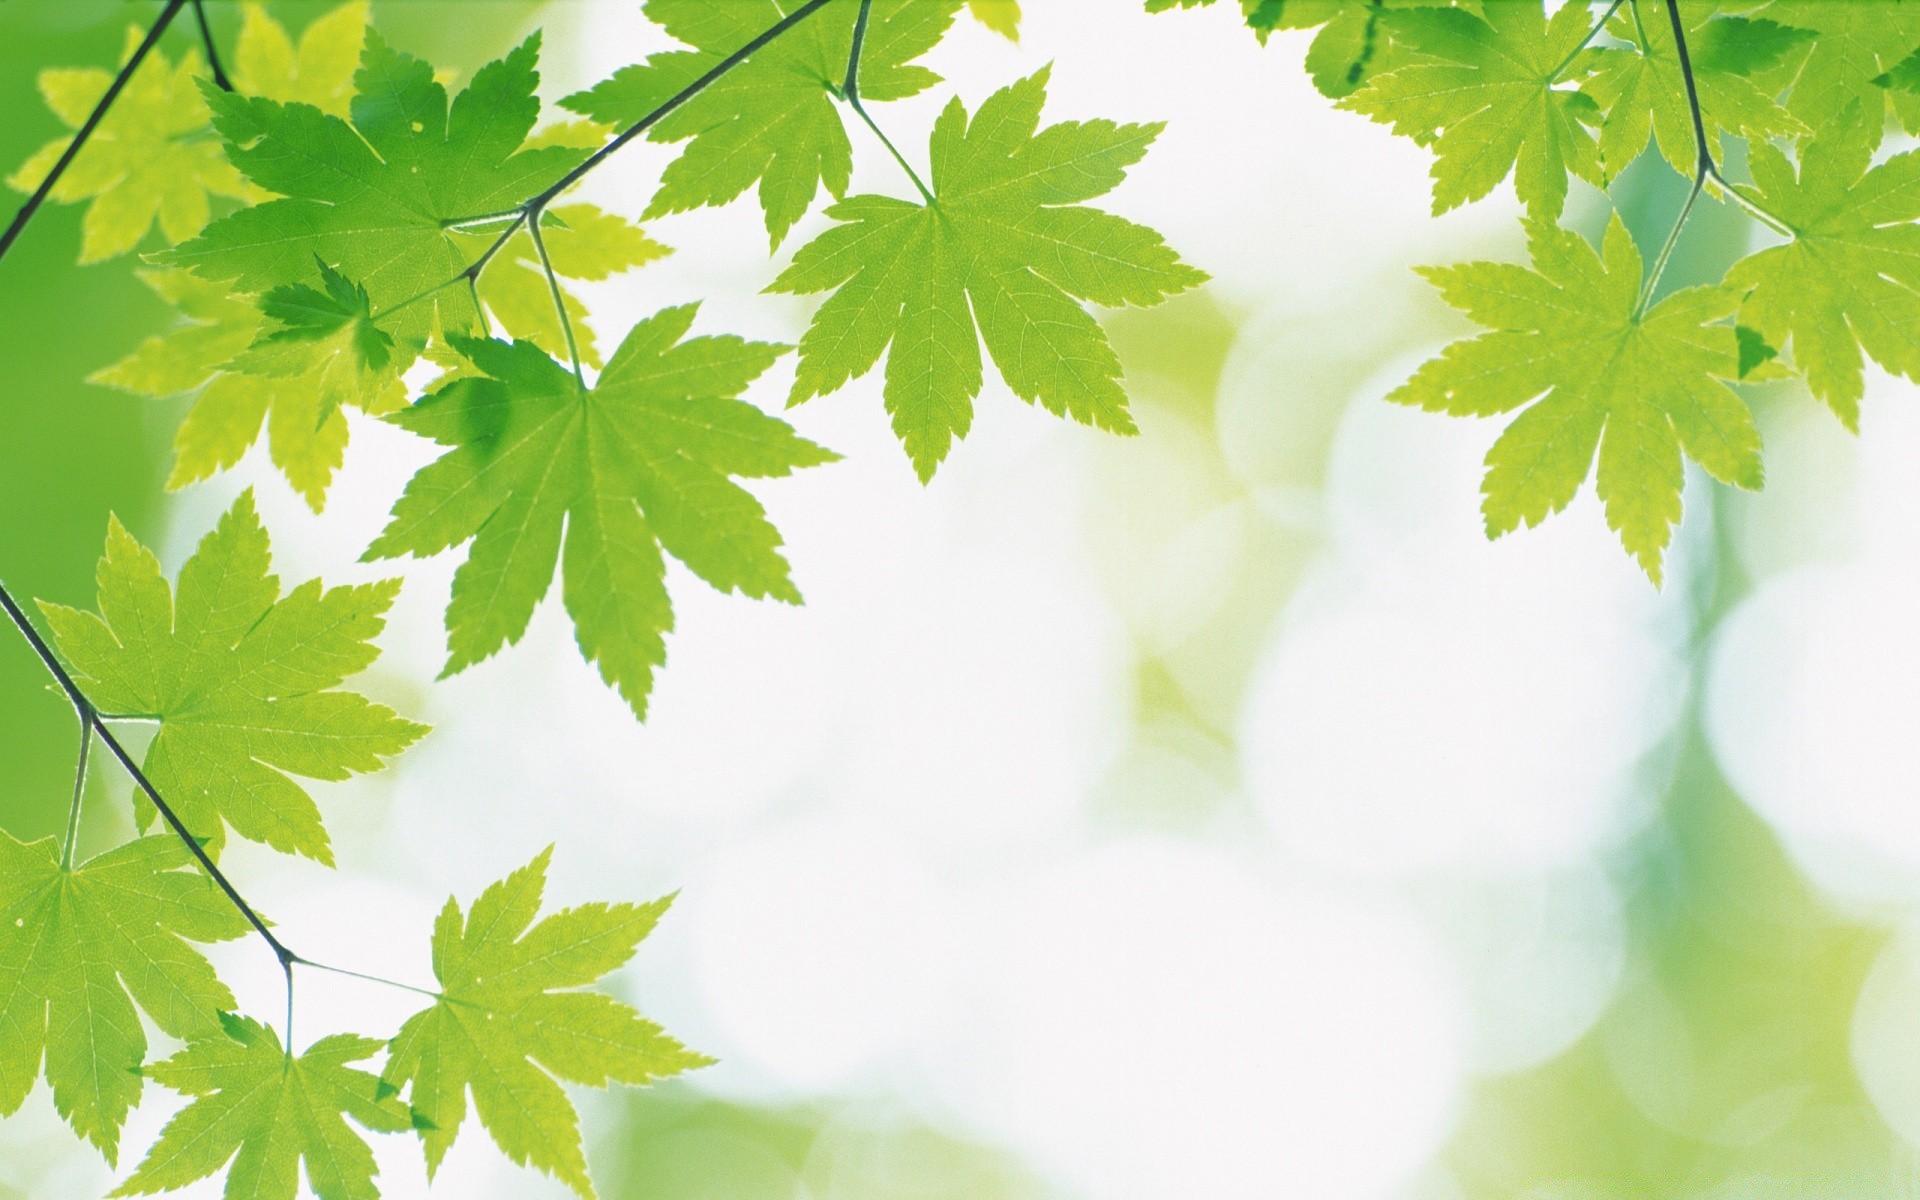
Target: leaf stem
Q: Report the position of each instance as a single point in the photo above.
(220, 79)
(1640, 31)
(1754, 208)
(1587, 40)
(79, 790)
(850, 92)
(92, 123)
(91, 719)
(1666, 250)
(479, 219)
(559, 300)
(539, 203)
(379, 979)
(1705, 168)
(675, 101)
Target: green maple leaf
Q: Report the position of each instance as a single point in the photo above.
(1570, 343)
(639, 462)
(1851, 46)
(148, 160)
(772, 120)
(79, 948)
(1644, 94)
(299, 406)
(268, 1112)
(1849, 279)
(505, 1013)
(1489, 103)
(1004, 231)
(241, 680)
(374, 198)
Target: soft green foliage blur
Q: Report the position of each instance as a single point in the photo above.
(73, 451)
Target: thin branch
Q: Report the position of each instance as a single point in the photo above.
(679, 98)
(537, 204)
(1704, 166)
(479, 309)
(79, 790)
(90, 717)
(850, 92)
(1586, 41)
(94, 118)
(220, 79)
(559, 300)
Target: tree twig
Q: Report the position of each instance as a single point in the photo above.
(850, 92)
(90, 718)
(539, 203)
(1704, 169)
(92, 123)
(220, 79)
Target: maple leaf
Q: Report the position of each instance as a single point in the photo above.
(505, 1013)
(306, 434)
(1488, 104)
(268, 1112)
(638, 462)
(1852, 44)
(147, 160)
(1571, 343)
(772, 120)
(1848, 279)
(374, 199)
(79, 948)
(1005, 231)
(1644, 94)
(241, 680)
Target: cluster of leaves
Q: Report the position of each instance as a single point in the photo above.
(342, 232)
(381, 223)
(244, 686)
(1804, 92)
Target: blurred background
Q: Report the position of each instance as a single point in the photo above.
(1213, 813)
